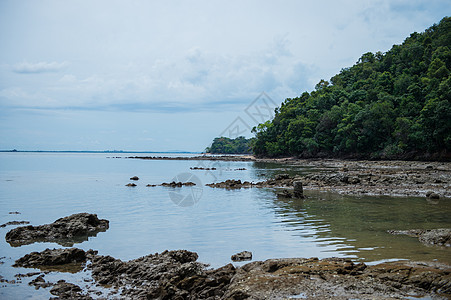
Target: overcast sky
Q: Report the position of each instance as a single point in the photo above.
(172, 75)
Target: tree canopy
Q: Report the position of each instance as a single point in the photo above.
(224, 145)
(388, 105)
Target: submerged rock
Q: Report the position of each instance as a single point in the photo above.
(438, 237)
(130, 184)
(66, 290)
(242, 256)
(14, 223)
(177, 184)
(64, 231)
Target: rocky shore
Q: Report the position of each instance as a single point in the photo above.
(358, 177)
(178, 275)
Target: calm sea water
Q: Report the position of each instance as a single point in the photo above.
(46, 186)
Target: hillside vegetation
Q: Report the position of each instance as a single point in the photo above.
(388, 105)
(224, 145)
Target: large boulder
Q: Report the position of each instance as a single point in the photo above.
(51, 258)
(64, 231)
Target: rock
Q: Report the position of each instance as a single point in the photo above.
(52, 257)
(282, 176)
(178, 184)
(438, 237)
(14, 223)
(298, 191)
(134, 178)
(39, 282)
(283, 181)
(14, 213)
(167, 275)
(285, 194)
(202, 168)
(242, 256)
(64, 231)
(66, 290)
(131, 184)
(178, 275)
(433, 196)
(354, 180)
(151, 185)
(336, 278)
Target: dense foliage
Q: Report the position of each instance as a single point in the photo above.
(391, 105)
(225, 145)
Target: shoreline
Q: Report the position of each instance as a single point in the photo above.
(177, 274)
(357, 177)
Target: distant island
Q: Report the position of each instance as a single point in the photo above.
(393, 105)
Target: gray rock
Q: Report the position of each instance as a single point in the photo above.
(282, 176)
(242, 256)
(66, 290)
(64, 231)
(438, 237)
(51, 257)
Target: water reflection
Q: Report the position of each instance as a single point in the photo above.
(358, 225)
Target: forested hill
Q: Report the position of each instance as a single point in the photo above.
(224, 145)
(388, 105)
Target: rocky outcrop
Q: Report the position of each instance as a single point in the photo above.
(336, 278)
(437, 237)
(177, 184)
(52, 257)
(281, 180)
(202, 168)
(66, 290)
(64, 231)
(177, 275)
(14, 223)
(242, 256)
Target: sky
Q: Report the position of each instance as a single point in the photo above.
(173, 75)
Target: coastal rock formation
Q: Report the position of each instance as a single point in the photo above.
(281, 180)
(64, 231)
(438, 237)
(177, 275)
(202, 168)
(358, 177)
(334, 277)
(242, 256)
(177, 184)
(66, 290)
(14, 223)
(51, 257)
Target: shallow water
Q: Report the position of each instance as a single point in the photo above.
(46, 186)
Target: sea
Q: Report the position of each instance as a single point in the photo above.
(40, 187)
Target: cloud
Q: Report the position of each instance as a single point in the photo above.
(39, 67)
